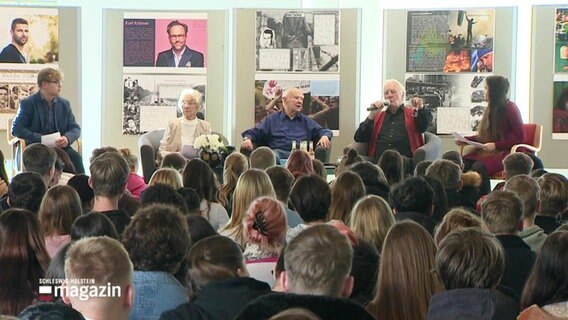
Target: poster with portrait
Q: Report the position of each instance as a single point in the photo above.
(561, 41)
(321, 97)
(150, 101)
(29, 42)
(29, 36)
(297, 40)
(15, 85)
(456, 101)
(560, 108)
(165, 40)
(450, 41)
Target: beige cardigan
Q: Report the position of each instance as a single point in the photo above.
(171, 142)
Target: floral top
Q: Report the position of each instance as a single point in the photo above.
(254, 252)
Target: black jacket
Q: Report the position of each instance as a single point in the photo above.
(456, 199)
(379, 189)
(519, 260)
(548, 223)
(364, 271)
(426, 221)
(327, 308)
(222, 299)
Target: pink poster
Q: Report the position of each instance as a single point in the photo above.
(165, 41)
(195, 40)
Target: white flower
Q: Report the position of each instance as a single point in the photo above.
(208, 142)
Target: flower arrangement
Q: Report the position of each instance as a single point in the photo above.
(209, 143)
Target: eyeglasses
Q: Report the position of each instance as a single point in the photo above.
(58, 83)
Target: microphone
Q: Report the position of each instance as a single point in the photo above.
(373, 107)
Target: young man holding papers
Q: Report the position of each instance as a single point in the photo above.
(45, 114)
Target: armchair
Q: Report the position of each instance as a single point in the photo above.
(149, 144)
(321, 154)
(18, 145)
(531, 145)
(431, 150)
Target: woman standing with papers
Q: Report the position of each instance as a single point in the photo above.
(501, 127)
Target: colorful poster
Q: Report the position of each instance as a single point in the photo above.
(321, 98)
(150, 101)
(450, 41)
(560, 110)
(297, 40)
(29, 36)
(456, 101)
(561, 41)
(165, 40)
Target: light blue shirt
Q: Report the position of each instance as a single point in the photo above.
(154, 293)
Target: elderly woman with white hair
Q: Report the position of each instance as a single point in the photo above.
(181, 132)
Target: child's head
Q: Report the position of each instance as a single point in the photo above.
(130, 158)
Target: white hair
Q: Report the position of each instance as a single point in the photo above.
(397, 84)
(189, 92)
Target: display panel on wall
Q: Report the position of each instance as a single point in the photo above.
(561, 41)
(29, 43)
(150, 101)
(163, 54)
(165, 40)
(321, 97)
(450, 41)
(297, 40)
(456, 101)
(560, 108)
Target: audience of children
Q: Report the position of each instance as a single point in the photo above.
(170, 263)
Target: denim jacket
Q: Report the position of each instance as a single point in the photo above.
(154, 293)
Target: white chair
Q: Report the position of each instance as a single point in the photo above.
(262, 271)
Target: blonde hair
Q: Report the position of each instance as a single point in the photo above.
(59, 208)
(102, 259)
(346, 189)
(109, 174)
(167, 176)
(406, 273)
(252, 184)
(371, 219)
(317, 261)
(456, 219)
(235, 164)
(502, 211)
(130, 158)
(528, 190)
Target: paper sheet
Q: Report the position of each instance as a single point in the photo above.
(49, 139)
(461, 138)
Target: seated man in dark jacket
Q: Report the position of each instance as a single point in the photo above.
(413, 199)
(470, 264)
(317, 264)
(279, 130)
(398, 127)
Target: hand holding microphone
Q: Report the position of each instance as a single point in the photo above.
(378, 105)
(375, 107)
